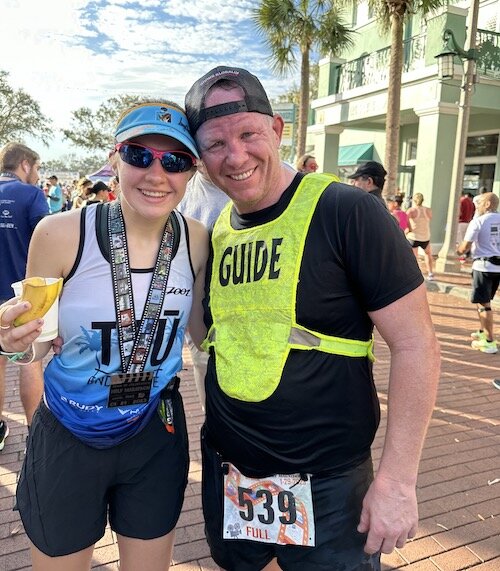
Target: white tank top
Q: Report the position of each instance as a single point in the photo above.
(77, 381)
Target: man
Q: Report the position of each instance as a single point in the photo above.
(202, 201)
(475, 200)
(22, 206)
(370, 177)
(298, 280)
(55, 196)
(465, 215)
(482, 239)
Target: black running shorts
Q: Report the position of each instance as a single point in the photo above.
(484, 286)
(337, 505)
(419, 244)
(67, 489)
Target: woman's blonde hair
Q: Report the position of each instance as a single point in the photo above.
(418, 198)
(301, 161)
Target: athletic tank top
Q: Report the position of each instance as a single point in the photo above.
(77, 381)
(419, 226)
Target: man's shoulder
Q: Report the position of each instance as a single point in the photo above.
(488, 217)
(19, 185)
(346, 196)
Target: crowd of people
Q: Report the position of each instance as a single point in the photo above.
(77, 193)
(273, 275)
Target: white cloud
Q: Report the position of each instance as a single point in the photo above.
(72, 53)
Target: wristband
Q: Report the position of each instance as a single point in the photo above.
(22, 357)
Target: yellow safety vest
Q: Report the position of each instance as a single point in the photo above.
(253, 291)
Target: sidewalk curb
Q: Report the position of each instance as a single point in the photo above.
(437, 286)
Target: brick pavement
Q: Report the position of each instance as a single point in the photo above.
(459, 478)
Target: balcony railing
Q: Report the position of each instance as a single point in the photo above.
(373, 68)
(488, 50)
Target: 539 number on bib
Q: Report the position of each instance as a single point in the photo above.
(277, 509)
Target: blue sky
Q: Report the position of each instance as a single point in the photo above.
(72, 53)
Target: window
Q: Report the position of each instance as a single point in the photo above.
(411, 151)
(482, 146)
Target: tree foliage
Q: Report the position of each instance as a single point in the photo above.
(20, 115)
(93, 130)
(292, 29)
(76, 163)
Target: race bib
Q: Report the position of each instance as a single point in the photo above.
(277, 509)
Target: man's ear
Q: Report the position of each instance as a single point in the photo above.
(278, 126)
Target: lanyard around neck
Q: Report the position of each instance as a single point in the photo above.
(135, 340)
(8, 174)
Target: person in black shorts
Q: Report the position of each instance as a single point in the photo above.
(109, 440)
(302, 269)
(482, 240)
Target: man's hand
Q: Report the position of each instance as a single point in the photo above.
(464, 247)
(389, 515)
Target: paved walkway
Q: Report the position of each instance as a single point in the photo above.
(459, 480)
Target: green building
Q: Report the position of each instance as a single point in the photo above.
(350, 112)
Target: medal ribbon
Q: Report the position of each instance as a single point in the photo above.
(135, 341)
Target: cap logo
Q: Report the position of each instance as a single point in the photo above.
(165, 115)
(221, 74)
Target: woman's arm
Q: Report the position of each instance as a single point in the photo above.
(198, 239)
(52, 252)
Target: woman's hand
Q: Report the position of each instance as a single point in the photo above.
(17, 339)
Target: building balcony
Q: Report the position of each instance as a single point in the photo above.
(373, 69)
(488, 49)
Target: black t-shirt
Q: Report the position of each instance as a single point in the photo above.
(324, 413)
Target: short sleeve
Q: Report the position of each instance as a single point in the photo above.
(379, 260)
(38, 207)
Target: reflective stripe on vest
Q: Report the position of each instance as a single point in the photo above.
(253, 292)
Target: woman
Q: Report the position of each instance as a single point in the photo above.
(83, 189)
(306, 163)
(109, 438)
(419, 218)
(99, 193)
(114, 188)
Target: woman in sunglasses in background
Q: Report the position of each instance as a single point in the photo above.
(109, 438)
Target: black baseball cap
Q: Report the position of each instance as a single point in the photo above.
(100, 185)
(370, 168)
(255, 100)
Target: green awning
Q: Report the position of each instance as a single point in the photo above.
(355, 154)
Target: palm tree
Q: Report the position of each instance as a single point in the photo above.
(392, 15)
(292, 27)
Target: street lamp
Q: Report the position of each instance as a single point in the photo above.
(447, 259)
(446, 56)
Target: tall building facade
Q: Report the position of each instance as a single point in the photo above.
(350, 111)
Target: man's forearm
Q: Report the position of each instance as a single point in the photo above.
(413, 382)
(464, 247)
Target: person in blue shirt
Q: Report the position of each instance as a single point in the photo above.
(22, 206)
(55, 197)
